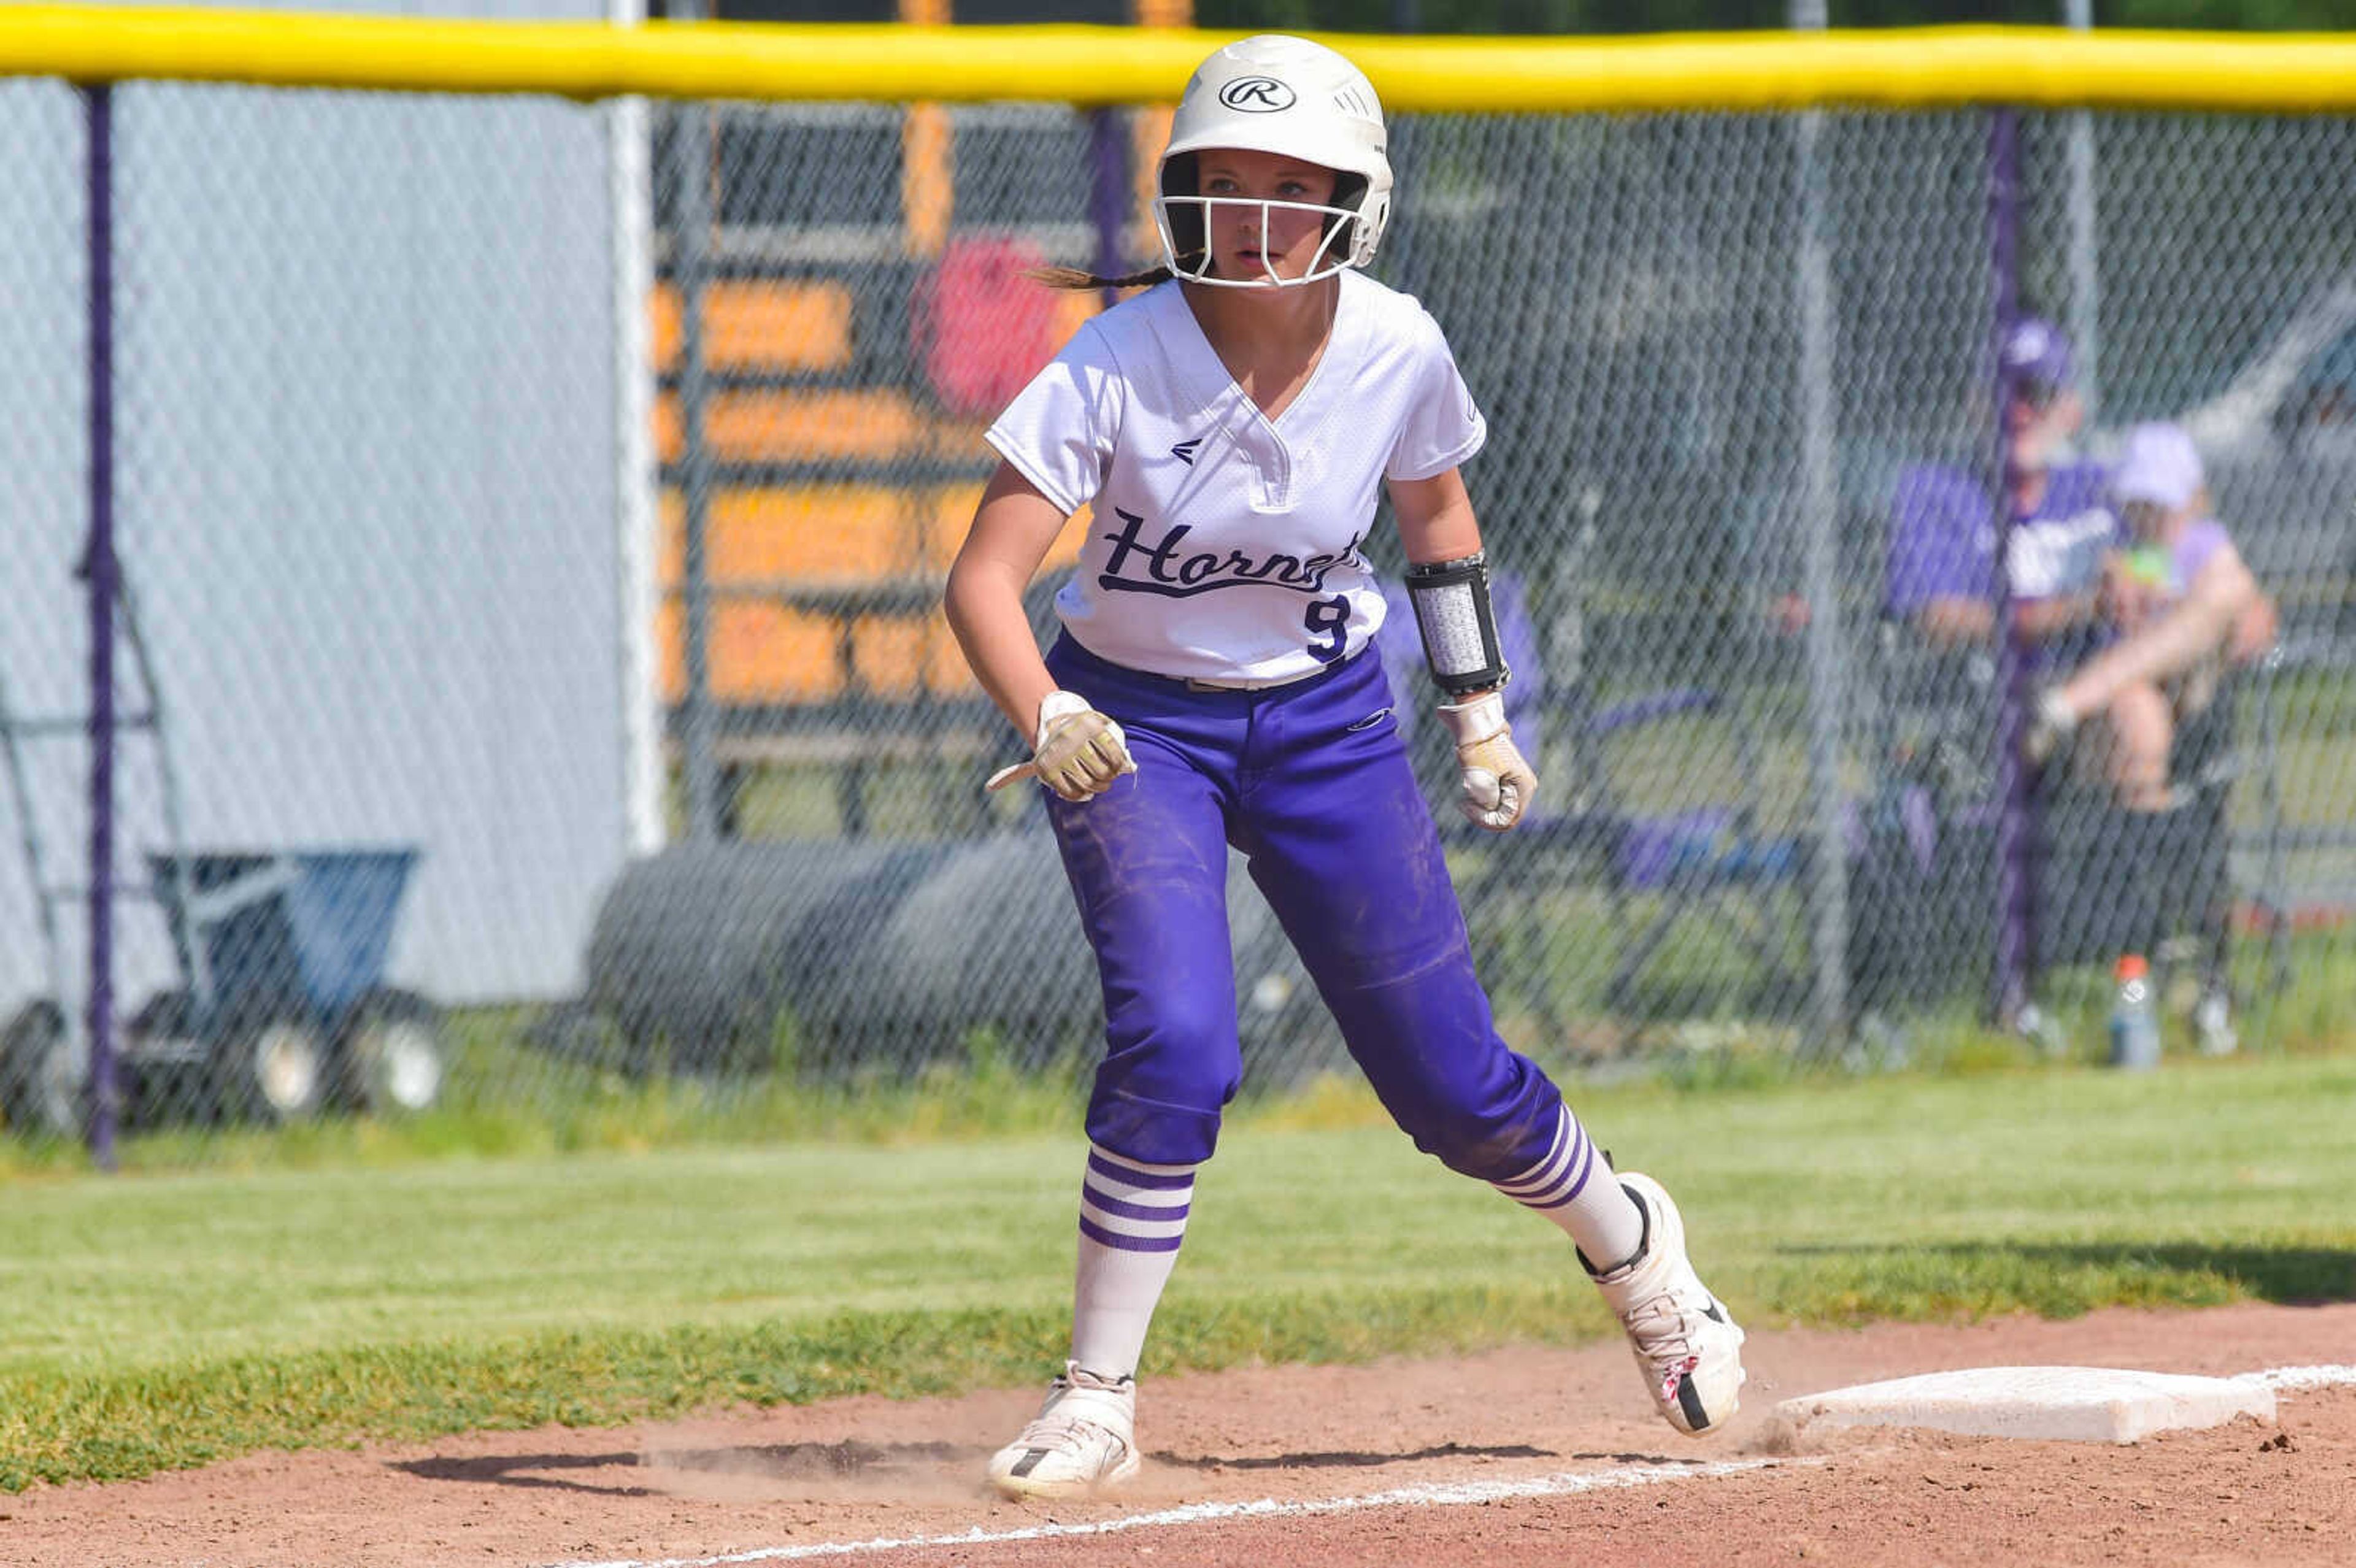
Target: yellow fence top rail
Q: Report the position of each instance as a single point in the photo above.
(1927, 68)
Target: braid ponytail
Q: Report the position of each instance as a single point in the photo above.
(1081, 278)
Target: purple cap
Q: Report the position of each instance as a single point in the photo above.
(2036, 350)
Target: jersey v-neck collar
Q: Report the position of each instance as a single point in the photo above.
(1239, 420)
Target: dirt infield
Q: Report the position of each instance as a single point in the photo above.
(1526, 1457)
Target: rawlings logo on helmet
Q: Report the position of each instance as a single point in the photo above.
(1257, 95)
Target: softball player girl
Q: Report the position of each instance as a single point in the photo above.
(1212, 686)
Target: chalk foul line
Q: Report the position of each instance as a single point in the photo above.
(1436, 1494)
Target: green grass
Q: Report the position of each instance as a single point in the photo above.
(505, 1099)
(163, 1320)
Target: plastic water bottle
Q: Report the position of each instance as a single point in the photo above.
(2135, 1022)
(2212, 1018)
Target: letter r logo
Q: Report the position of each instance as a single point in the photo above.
(1256, 95)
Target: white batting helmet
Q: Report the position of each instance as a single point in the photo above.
(1279, 94)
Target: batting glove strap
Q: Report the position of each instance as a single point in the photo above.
(1475, 719)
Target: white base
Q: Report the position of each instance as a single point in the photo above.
(2087, 1404)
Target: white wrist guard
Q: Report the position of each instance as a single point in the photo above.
(1459, 626)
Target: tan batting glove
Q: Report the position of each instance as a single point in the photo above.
(1498, 781)
(1077, 752)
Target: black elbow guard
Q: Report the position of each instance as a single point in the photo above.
(1459, 626)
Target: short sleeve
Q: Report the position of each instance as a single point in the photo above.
(2201, 543)
(1059, 431)
(1941, 541)
(1442, 427)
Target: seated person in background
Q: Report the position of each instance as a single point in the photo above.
(1938, 668)
(2181, 605)
(1941, 565)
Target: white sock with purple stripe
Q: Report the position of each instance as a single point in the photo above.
(1572, 1186)
(1132, 1217)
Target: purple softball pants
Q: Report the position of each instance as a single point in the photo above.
(1311, 782)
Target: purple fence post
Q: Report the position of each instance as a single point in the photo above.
(1108, 194)
(2015, 821)
(98, 568)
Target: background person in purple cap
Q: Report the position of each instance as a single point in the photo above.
(1942, 564)
(2183, 606)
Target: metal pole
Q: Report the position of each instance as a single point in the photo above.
(2086, 278)
(637, 507)
(2016, 817)
(1820, 518)
(1109, 138)
(98, 569)
(691, 251)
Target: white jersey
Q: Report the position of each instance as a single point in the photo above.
(1226, 547)
(2054, 557)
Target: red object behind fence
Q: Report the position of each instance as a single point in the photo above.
(982, 329)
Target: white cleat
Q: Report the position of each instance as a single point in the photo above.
(1082, 1443)
(1686, 1344)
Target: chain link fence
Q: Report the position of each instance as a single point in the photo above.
(402, 595)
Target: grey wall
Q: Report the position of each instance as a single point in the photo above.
(365, 499)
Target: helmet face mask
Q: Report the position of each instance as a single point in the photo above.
(1185, 221)
(1290, 96)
